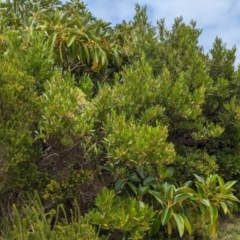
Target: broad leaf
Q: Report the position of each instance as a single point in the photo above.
(205, 202)
(158, 196)
(180, 223)
(231, 197)
(143, 190)
(166, 214)
(224, 207)
(200, 179)
(119, 185)
(185, 190)
(181, 197)
(186, 223)
(149, 180)
(133, 177)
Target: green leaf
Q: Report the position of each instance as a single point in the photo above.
(213, 213)
(61, 51)
(180, 223)
(220, 181)
(133, 177)
(200, 179)
(63, 17)
(187, 183)
(141, 172)
(149, 180)
(166, 214)
(156, 224)
(79, 33)
(86, 51)
(86, 19)
(231, 197)
(181, 197)
(70, 39)
(186, 223)
(158, 196)
(134, 189)
(169, 172)
(107, 168)
(229, 184)
(117, 58)
(170, 192)
(53, 40)
(185, 190)
(119, 185)
(205, 202)
(224, 207)
(143, 190)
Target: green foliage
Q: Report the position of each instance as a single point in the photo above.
(143, 103)
(33, 222)
(137, 145)
(31, 56)
(69, 31)
(116, 214)
(179, 206)
(18, 112)
(59, 190)
(66, 112)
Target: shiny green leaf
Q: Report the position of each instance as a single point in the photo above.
(180, 223)
(166, 214)
(181, 197)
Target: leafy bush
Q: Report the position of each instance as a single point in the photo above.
(128, 216)
(32, 222)
(18, 114)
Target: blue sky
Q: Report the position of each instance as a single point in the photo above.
(215, 17)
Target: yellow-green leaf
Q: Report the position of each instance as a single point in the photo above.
(181, 197)
(70, 39)
(166, 214)
(180, 223)
(187, 224)
(213, 213)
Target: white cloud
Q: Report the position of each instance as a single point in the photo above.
(216, 17)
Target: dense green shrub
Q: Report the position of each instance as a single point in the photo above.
(18, 114)
(136, 108)
(126, 217)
